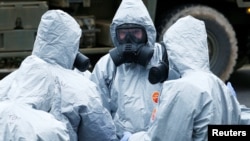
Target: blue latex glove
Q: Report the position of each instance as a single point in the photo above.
(230, 87)
(126, 136)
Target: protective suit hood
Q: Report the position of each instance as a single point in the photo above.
(57, 40)
(186, 41)
(133, 11)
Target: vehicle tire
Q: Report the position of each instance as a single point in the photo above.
(222, 41)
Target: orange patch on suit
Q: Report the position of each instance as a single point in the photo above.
(155, 96)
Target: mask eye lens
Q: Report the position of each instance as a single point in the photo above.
(137, 35)
(122, 34)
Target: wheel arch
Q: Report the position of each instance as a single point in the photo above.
(226, 46)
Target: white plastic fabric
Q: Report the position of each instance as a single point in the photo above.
(19, 122)
(45, 83)
(187, 105)
(126, 90)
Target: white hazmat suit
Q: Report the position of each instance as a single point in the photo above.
(126, 90)
(46, 83)
(188, 105)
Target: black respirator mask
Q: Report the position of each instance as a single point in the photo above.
(81, 62)
(159, 73)
(132, 39)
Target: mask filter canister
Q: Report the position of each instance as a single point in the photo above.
(82, 62)
(159, 73)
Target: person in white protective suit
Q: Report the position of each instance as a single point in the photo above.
(45, 99)
(189, 104)
(130, 76)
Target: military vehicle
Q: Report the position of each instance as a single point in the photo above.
(227, 23)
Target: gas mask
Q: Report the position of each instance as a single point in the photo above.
(132, 39)
(81, 62)
(159, 73)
